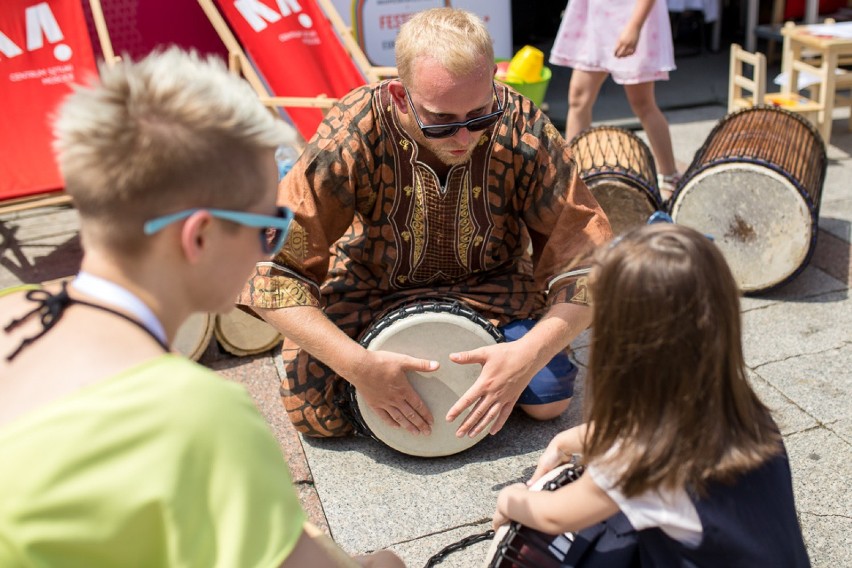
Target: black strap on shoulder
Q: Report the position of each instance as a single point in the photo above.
(51, 307)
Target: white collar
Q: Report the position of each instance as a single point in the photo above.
(119, 296)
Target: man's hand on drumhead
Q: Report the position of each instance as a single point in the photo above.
(505, 373)
(386, 389)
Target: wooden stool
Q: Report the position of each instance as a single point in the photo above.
(746, 91)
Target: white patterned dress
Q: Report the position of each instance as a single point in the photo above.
(590, 29)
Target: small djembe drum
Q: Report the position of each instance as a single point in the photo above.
(618, 169)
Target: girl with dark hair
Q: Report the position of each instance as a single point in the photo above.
(675, 438)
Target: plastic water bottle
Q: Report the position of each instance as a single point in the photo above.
(285, 157)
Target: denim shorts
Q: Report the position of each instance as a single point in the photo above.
(555, 381)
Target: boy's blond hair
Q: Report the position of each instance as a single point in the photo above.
(170, 131)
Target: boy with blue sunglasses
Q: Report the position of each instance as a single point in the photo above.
(116, 451)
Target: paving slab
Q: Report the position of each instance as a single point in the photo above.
(375, 497)
(821, 472)
(790, 417)
(788, 329)
(810, 283)
(843, 428)
(836, 218)
(819, 383)
(828, 538)
(417, 552)
(38, 245)
(836, 186)
(832, 255)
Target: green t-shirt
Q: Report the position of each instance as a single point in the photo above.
(166, 464)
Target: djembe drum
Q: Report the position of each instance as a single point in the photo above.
(517, 546)
(427, 330)
(618, 168)
(755, 187)
(242, 334)
(193, 336)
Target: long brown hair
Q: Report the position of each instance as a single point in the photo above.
(668, 398)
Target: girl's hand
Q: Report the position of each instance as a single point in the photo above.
(499, 520)
(626, 44)
(552, 458)
(509, 493)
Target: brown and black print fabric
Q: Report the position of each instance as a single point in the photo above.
(374, 227)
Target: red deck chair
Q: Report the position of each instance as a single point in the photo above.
(44, 49)
(298, 55)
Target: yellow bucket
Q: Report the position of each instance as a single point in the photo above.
(535, 90)
(526, 65)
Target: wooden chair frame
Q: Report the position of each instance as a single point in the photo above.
(239, 63)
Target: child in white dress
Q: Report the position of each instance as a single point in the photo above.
(630, 40)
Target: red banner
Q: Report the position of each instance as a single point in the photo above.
(44, 48)
(296, 50)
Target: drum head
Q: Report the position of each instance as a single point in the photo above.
(430, 336)
(759, 220)
(242, 334)
(194, 335)
(626, 205)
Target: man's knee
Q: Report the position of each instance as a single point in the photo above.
(547, 411)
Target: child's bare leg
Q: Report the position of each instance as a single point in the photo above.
(644, 105)
(582, 93)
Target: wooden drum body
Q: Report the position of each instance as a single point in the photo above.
(618, 168)
(428, 330)
(194, 335)
(755, 187)
(242, 334)
(517, 546)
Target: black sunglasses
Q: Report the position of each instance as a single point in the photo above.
(447, 130)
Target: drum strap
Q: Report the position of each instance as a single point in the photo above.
(51, 307)
(456, 546)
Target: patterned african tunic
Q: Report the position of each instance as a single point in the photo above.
(509, 233)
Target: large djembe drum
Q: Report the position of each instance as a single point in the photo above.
(428, 330)
(755, 187)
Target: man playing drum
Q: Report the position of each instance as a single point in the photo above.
(440, 184)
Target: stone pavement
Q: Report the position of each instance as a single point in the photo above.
(798, 347)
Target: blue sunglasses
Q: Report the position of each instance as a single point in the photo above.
(273, 230)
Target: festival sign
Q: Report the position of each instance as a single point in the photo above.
(44, 49)
(376, 23)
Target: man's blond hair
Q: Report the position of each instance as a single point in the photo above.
(456, 39)
(170, 131)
